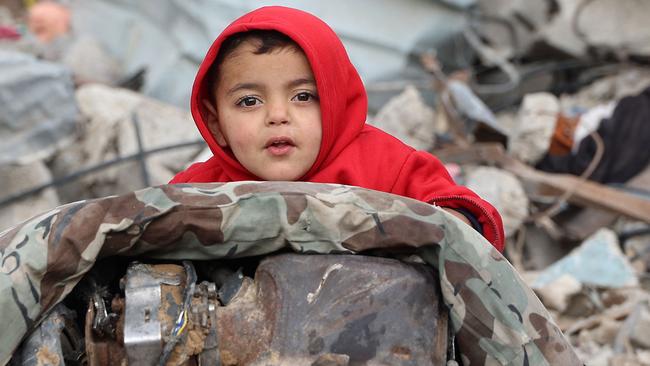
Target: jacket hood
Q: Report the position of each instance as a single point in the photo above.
(343, 99)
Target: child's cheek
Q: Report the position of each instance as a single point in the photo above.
(244, 139)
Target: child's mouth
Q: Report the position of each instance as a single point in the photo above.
(279, 146)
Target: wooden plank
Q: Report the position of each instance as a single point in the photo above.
(589, 220)
(585, 193)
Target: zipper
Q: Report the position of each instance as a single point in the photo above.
(493, 226)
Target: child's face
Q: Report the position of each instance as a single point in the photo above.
(268, 112)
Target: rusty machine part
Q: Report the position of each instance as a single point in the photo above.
(297, 310)
(56, 342)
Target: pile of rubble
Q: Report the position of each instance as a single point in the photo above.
(545, 117)
(571, 183)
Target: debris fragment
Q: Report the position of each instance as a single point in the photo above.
(507, 196)
(408, 118)
(532, 136)
(597, 262)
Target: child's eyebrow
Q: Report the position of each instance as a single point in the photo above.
(241, 86)
(301, 81)
(256, 86)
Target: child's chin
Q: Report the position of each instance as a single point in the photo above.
(281, 176)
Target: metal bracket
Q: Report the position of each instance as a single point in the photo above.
(142, 331)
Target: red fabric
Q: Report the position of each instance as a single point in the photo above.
(351, 152)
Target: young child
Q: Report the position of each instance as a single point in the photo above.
(277, 98)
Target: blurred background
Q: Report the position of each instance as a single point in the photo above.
(540, 106)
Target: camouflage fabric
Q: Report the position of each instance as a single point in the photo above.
(497, 319)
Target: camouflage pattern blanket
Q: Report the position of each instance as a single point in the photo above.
(497, 319)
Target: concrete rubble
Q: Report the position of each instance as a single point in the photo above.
(120, 123)
(508, 196)
(100, 108)
(408, 118)
(38, 109)
(536, 121)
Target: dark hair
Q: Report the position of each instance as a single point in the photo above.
(267, 42)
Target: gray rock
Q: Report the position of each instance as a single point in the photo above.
(408, 118)
(536, 122)
(109, 133)
(16, 178)
(598, 261)
(640, 333)
(504, 191)
(38, 112)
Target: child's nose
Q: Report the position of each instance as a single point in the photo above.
(278, 114)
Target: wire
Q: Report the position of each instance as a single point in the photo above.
(557, 206)
(73, 176)
(181, 322)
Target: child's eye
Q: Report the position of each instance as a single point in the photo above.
(304, 97)
(248, 101)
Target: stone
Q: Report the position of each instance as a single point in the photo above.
(607, 331)
(111, 115)
(640, 333)
(17, 178)
(626, 30)
(536, 122)
(504, 191)
(556, 294)
(598, 261)
(408, 118)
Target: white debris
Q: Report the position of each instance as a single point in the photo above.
(536, 122)
(590, 121)
(598, 261)
(557, 293)
(17, 178)
(110, 132)
(626, 30)
(640, 333)
(504, 191)
(408, 118)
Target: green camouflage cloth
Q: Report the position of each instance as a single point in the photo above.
(497, 319)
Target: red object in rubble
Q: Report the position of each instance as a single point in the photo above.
(9, 33)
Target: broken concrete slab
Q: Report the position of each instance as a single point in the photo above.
(557, 293)
(117, 122)
(18, 177)
(408, 118)
(640, 331)
(623, 82)
(559, 31)
(38, 111)
(598, 261)
(624, 33)
(508, 196)
(536, 122)
(511, 26)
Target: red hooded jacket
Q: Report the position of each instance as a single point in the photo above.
(351, 151)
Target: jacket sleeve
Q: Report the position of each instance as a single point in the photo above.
(425, 178)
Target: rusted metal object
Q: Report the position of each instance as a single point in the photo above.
(299, 309)
(308, 309)
(104, 350)
(56, 342)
